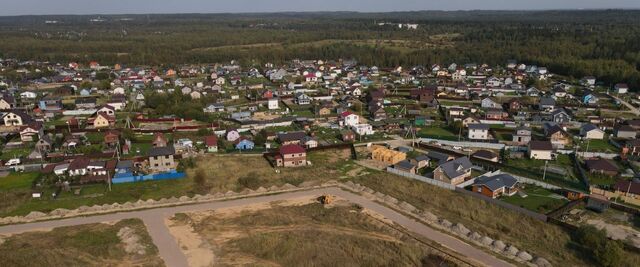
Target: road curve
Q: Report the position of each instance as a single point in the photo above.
(171, 253)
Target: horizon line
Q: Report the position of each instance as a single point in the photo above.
(325, 11)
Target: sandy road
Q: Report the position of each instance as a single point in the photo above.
(171, 253)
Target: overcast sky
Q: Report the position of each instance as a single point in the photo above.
(41, 7)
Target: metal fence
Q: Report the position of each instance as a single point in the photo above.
(421, 178)
(151, 177)
(465, 144)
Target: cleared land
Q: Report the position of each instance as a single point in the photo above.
(298, 234)
(125, 243)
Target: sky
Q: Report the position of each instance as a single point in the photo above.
(49, 7)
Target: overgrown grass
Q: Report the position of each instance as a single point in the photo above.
(309, 235)
(540, 238)
(84, 245)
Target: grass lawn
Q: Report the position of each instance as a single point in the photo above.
(17, 180)
(84, 245)
(600, 179)
(437, 133)
(142, 147)
(534, 169)
(538, 199)
(15, 153)
(288, 236)
(599, 146)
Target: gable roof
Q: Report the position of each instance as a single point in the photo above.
(161, 151)
(291, 149)
(456, 167)
(211, 140)
(540, 145)
(601, 165)
(497, 181)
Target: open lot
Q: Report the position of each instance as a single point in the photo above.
(125, 243)
(220, 173)
(295, 233)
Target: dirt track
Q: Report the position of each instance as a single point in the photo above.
(171, 253)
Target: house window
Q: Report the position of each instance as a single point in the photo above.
(479, 189)
(156, 165)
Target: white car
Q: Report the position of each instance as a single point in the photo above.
(12, 162)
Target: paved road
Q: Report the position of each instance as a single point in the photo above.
(171, 253)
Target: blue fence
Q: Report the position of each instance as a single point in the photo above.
(130, 178)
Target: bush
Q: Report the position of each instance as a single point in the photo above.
(595, 242)
(250, 181)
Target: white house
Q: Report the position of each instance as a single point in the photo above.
(542, 150)
(621, 88)
(272, 103)
(590, 131)
(221, 81)
(28, 95)
(479, 131)
(349, 119)
(363, 129)
(490, 103)
(118, 91)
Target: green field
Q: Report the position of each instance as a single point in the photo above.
(538, 199)
(437, 133)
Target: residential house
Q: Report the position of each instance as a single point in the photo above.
(496, 186)
(363, 129)
(211, 142)
(522, 135)
(85, 103)
(107, 109)
(632, 147)
(102, 120)
(453, 172)
(496, 114)
(112, 139)
(439, 158)
(542, 150)
(244, 144)
(291, 156)
(16, 118)
(469, 120)
(31, 132)
(590, 131)
(302, 99)
(625, 132)
(161, 159)
(486, 155)
(557, 135)
(349, 119)
(601, 166)
(479, 132)
(292, 138)
(406, 166)
(310, 142)
(50, 102)
(232, 135)
(386, 155)
(547, 103)
(515, 104)
(7, 102)
(560, 116)
(272, 103)
(159, 140)
(377, 112)
(424, 95)
(421, 161)
(589, 98)
(78, 166)
(214, 108)
(490, 103)
(348, 135)
(621, 88)
(44, 144)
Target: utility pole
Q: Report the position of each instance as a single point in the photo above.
(544, 174)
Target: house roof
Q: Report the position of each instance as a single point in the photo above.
(601, 165)
(485, 154)
(547, 101)
(497, 181)
(632, 186)
(291, 149)
(211, 140)
(440, 157)
(589, 127)
(456, 167)
(292, 136)
(405, 164)
(540, 145)
(79, 163)
(479, 126)
(161, 151)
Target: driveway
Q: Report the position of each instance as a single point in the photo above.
(171, 253)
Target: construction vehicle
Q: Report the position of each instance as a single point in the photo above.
(325, 199)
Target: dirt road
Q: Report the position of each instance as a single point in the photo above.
(173, 256)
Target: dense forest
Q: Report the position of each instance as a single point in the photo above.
(604, 43)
